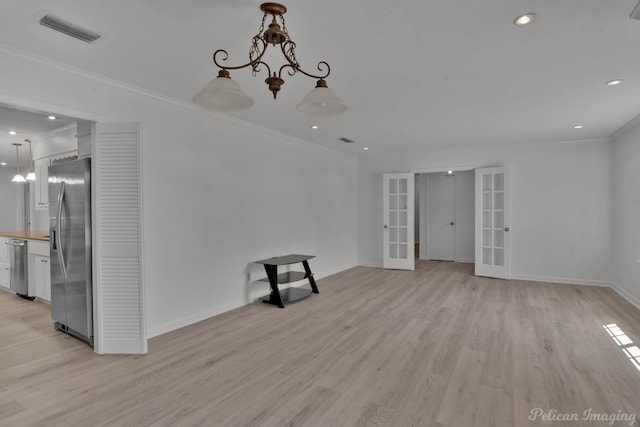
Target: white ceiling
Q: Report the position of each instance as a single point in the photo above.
(415, 73)
(27, 125)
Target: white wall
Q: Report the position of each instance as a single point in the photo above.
(217, 194)
(561, 204)
(9, 199)
(465, 216)
(626, 213)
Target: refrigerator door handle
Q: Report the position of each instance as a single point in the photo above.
(58, 237)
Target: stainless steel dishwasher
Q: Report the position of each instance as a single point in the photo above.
(18, 278)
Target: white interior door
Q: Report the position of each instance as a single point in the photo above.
(440, 218)
(398, 229)
(493, 243)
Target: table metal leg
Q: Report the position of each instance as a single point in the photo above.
(309, 274)
(272, 275)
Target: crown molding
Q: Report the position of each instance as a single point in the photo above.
(626, 127)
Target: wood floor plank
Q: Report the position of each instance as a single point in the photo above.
(434, 347)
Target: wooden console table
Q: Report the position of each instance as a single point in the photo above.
(278, 297)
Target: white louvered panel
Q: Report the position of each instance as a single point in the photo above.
(117, 198)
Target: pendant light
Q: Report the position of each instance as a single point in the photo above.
(31, 176)
(18, 177)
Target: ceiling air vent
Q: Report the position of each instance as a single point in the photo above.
(347, 140)
(69, 29)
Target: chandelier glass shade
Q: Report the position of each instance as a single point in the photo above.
(222, 93)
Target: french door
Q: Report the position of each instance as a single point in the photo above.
(493, 216)
(398, 217)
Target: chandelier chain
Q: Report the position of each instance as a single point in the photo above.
(291, 54)
(254, 50)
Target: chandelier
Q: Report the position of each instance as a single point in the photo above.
(222, 93)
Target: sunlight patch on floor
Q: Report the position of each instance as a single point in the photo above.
(620, 338)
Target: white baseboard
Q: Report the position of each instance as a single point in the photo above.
(190, 320)
(367, 264)
(626, 295)
(198, 317)
(564, 280)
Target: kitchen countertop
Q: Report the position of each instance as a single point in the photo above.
(31, 235)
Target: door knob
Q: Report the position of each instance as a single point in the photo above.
(506, 229)
(451, 223)
(386, 226)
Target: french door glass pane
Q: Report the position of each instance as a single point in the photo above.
(393, 219)
(498, 219)
(486, 219)
(402, 235)
(486, 200)
(393, 235)
(498, 257)
(498, 238)
(486, 256)
(402, 251)
(393, 186)
(499, 200)
(402, 202)
(393, 250)
(486, 237)
(486, 182)
(402, 186)
(393, 202)
(498, 180)
(402, 219)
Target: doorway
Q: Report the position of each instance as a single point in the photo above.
(446, 216)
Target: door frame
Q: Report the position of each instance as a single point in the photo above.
(423, 230)
(30, 105)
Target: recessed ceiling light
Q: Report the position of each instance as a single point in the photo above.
(525, 19)
(52, 117)
(314, 127)
(578, 127)
(13, 132)
(613, 82)
(365, 148)
(3, 163)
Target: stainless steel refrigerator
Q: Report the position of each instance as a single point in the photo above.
(70, 248)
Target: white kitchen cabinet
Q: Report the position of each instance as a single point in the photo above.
(42, 277)
(4, 249)
(4, 263)
(41, 190)
(4, 274)
(39, 270)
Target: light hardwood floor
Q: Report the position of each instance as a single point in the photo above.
(434, 347)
